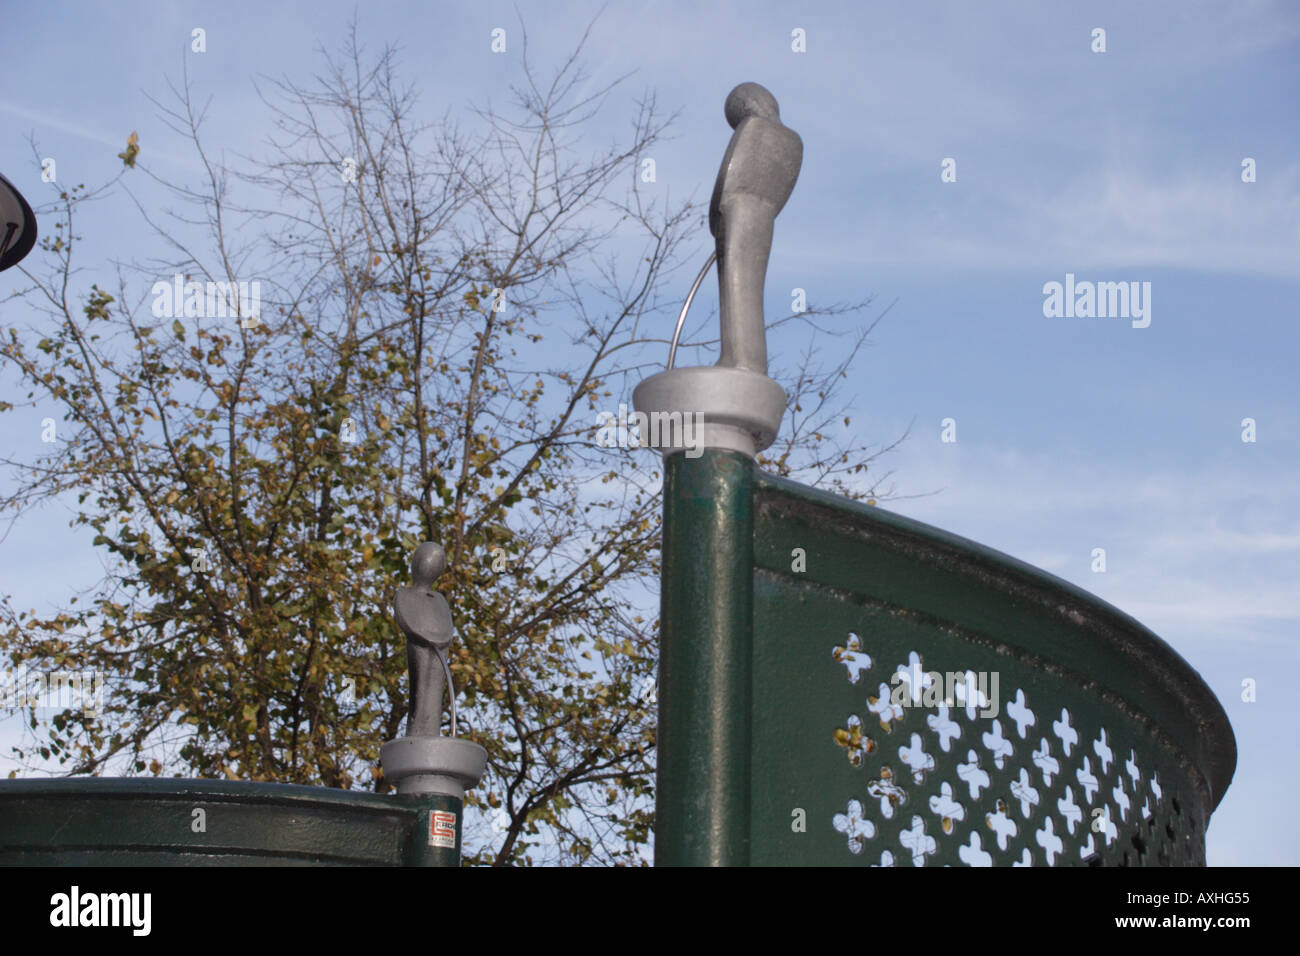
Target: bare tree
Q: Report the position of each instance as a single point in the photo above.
(453, 296)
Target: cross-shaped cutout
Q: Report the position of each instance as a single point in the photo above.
(941, 724)
(996, 744)
(856, 744)
(1023, 790)
(1049, 841)
(973, 853)
(853, 657)
(1067, 734)
(968, 695)
(889, 793)
(1072, 812)
(1001, 824)
(854, 826)
(1048, 765)
(1121, 799)
(914, 677)
(1087, 780)
(885, 710)
(916, 840)
(1108, 827)
(1022, 715)
(916, 758)
(1102, 749)
(946, 808)
(971, 773)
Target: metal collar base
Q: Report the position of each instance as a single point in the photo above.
(710, 406)
(441, 765)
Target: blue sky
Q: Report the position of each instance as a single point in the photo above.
(1118, 166)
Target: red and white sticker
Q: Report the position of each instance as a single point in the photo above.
(442, 829)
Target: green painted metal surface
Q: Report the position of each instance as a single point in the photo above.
(153, 822)
(703, 742)
(1104, 746)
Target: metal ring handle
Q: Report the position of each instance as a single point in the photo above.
(681, 319)
(451, 690)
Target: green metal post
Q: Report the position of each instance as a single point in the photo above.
(702, 813)
(438, 821)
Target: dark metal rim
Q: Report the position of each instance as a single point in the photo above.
(241, 791)
(26, 239)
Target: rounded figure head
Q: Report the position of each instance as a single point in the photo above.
(750, 99)
(427, 563)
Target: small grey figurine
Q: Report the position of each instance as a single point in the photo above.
(425, 619)
(757, 176)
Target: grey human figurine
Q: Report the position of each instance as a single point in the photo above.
(757, 176)
(425, 619)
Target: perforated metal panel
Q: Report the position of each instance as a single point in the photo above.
(930, 773)
(841, 685)
(960, 709)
